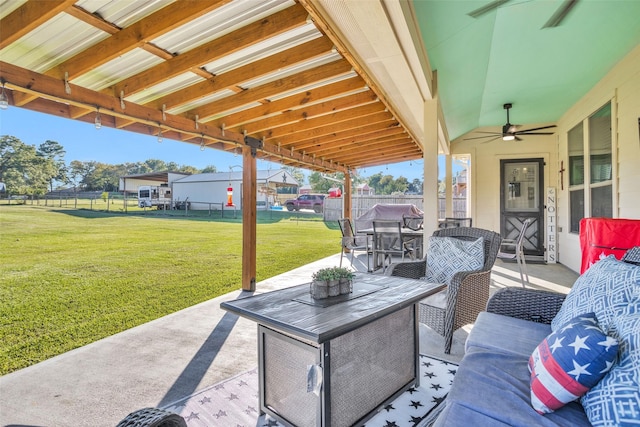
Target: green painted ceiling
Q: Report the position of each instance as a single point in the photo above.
(506, 56)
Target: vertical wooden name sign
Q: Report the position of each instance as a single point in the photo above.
(551, 225)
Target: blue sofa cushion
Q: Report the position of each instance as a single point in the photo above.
(493, 389)
(569, 362)
(505, 334)
(447, 255)
(605, 289)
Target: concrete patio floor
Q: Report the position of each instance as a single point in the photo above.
(172, 357)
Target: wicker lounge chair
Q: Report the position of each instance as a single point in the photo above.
(467, 293)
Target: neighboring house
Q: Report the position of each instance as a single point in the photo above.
(460, 186)
(305, 189)
(364, 190)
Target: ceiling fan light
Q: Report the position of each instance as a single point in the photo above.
(508, 137)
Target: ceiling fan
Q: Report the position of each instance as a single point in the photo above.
(555, 20)
(510, 132)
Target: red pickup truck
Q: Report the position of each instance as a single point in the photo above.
(306, 201)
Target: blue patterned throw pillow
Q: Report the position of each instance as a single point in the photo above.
(605, 289)
(615, 401)
(447, 255)
(569, 362)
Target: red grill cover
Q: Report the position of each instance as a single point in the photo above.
(600, 237)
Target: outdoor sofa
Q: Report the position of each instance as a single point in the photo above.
(525, 329)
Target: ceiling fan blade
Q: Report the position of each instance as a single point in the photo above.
(492, 139)
(486, 8)
(532, 129)
(518, 138)
(496, 135)
(561, 13)
(535, 133)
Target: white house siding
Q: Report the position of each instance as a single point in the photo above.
(621, 86)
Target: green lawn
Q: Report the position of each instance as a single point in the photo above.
(70, 277)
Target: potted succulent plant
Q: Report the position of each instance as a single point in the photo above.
(345, 279)
(331, 282)
(320, 283)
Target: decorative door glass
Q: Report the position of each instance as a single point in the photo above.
(521, 187)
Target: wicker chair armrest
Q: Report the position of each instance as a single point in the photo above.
(528, 304)
(460, 276)
(463, 281)
(409, 269)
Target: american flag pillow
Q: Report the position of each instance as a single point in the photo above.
(569, 362)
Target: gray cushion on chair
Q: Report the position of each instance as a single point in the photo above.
(506, 334)
(436, 300)
(446, 256)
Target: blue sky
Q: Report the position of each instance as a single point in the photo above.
(83, 142)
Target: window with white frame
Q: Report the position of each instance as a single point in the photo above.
(590, 176)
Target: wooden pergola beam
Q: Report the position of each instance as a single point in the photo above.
(233, 78)
(310, 97)
(308, 112)
(267, 90)
(278, 23)
(356, 123)
(28, 17)
(136, 35)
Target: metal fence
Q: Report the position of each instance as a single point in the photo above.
(81, 200)
(117, 202)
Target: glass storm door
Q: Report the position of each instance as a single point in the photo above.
(521, 197)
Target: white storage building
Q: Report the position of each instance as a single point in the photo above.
(206, 191)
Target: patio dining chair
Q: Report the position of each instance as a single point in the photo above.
(467, 291)
(517, 246)
(351, 242)
(388, 241)
(413, 222)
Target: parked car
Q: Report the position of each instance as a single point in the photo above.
(306, 201)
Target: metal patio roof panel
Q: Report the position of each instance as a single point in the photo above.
(218, 23)
(264, 49)
(123, 13)
(188, 70)
(52, 43)
(168, 86)
(120, 68)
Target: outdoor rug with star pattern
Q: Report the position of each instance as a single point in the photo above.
(234, 402)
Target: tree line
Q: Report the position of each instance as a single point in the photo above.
(35, 170)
